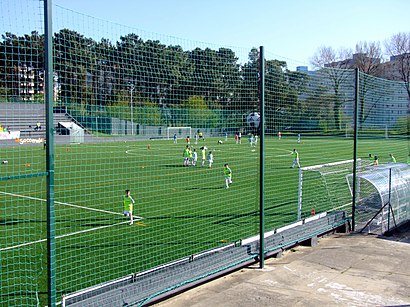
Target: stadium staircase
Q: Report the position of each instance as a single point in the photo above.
(24, 118)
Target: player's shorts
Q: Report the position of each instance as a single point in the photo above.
(127, 212)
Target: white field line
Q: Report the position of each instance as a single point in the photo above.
(136, 218)
(62, 236)
(60, 203)
(289, 152)
(150, 153)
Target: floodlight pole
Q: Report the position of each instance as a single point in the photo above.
(262, 158)
(132, 119)
(51, 231)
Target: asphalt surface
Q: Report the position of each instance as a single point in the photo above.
(341, 270)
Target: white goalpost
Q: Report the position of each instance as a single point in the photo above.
(181, 132)
(324, 187)
(381, 130)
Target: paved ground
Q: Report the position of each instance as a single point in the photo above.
(342, 270)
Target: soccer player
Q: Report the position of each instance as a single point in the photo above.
(370, 157)
(194, 157)
(228, 175)
(201, 136)
(175, 138)
(298, 138)
(251, 140)
(188, 140)
(190, 158)
(185, 155)
(210, 159)
(279, 135)
(128, 205)
(295, 158)
(376, 161)
(203, 152)
(392, 158)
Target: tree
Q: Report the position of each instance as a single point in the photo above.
(179, 69)
(249, 93)
(130, 60)
(367, 57)
(21, 53)
(277, 103)
(398, 47)
(73, 58)
(334, 64)
(198, 114)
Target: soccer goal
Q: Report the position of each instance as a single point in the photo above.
(181, 132)
(324, 187)
(374, 130)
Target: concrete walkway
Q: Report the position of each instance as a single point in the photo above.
(342, 270)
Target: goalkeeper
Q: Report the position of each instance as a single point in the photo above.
(128, 205)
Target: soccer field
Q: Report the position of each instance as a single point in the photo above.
(179, 210)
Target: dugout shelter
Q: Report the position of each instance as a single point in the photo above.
(383, 199)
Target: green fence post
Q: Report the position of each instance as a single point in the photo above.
(261, 162)
(51, 252)
(356, 115)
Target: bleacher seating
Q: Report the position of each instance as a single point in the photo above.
(24, 117)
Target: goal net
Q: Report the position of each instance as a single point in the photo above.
(371, 131)
(180, 132)
(324, 187)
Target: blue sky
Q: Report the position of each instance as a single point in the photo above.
(289, 29)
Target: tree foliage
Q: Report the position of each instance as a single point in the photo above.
(398, 46)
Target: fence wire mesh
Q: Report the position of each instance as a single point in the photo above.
(175, 122)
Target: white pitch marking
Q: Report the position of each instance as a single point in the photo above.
(63, 236)
(61, 203)
(136, 218)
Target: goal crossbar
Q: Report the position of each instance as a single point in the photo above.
(319, 166)
(180, 131)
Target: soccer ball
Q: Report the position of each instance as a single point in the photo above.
(253, 119)
(4, 162)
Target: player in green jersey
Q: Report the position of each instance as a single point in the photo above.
(295, 158)
(128, 205)
(203, 153)
(185, 155)
(227, 175)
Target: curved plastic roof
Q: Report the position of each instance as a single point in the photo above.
(378, 176)
(397, 192)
